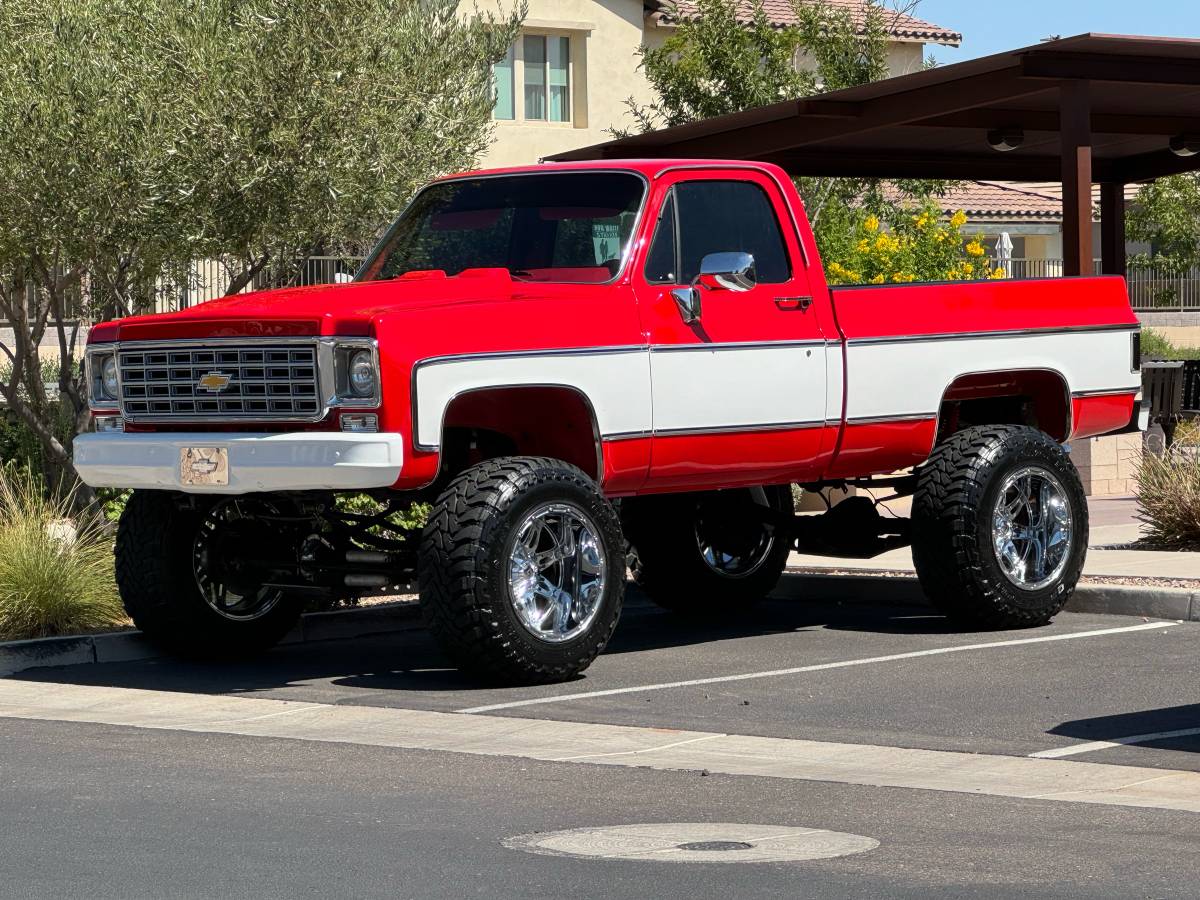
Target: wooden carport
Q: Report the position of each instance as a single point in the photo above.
(1106, 109)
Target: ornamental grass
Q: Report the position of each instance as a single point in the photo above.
(1168, 489)
(56, 574)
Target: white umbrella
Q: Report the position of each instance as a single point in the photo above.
(1004, 252)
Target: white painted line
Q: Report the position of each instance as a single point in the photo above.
(550, 741)
(1093, 746)
(820, 667)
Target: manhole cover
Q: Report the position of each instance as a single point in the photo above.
(716, 845)
(695, 842)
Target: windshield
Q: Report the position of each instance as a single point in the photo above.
(569, 227)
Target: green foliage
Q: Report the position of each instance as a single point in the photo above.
(147, 133)
(1167, 216)
(410, 518)
(1155, 345)
(731, 58)
(139, 135)
(916, 245)
(56, 576)
(1168, 492)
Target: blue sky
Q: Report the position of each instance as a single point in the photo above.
(1008, 24)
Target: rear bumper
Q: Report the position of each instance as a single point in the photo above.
(296, 461)
(1140, 420)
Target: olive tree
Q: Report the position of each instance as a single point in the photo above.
(137, 136)
(1166, 215)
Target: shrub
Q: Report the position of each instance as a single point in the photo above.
(56, 576)
(915, 245)
(1155, 345)
(1168, 489)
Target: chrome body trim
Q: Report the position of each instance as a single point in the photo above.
(1107, 392)
(976, 335)
(886, 420)
(738, 429)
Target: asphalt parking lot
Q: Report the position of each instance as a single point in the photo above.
(368, 768)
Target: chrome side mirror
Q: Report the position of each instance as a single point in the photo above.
(718, 271)
(728, 271)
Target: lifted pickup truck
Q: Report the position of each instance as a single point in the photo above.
(585, 366)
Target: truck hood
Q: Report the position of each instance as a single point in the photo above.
(327, 309)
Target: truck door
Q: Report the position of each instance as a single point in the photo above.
(740, 393)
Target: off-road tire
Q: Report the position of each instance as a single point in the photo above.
(158, 587)
(952, 542)
(463, 574)
(666, 560)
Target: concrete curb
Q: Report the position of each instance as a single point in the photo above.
(1118, 600)
(126, 646)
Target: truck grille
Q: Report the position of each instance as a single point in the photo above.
(244, 381)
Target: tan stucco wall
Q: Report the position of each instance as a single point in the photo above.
(605, 37)
(905, 58)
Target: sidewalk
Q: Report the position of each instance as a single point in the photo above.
(1112, 524)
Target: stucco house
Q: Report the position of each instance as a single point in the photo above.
(565, 81)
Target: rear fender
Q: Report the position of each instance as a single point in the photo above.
(1042, 394)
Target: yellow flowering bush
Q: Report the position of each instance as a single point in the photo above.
(913, 246)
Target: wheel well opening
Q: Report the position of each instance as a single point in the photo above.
(1038, 398)
(540, 420)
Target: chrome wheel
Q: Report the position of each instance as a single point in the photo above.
(1032, 528)
(556, 572)
(228, 586)
(733, 540)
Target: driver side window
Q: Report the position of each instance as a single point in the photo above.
(702, 217)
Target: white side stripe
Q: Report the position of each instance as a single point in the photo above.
(820, 667)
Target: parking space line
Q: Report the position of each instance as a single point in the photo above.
(819, 667)
(583, 743)
(1133, 739)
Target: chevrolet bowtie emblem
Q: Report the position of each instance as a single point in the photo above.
(214, 382)
(203, 466)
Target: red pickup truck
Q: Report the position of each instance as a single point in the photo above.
(585, 367)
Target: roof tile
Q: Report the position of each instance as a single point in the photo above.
(781, 13)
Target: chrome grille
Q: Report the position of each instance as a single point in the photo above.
(264, 382)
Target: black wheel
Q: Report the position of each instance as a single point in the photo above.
(1000, 527)
(185, 580)
(710, 552)
(521, 570)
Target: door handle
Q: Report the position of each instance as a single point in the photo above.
(789, 304)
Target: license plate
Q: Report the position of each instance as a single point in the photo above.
(203, 466)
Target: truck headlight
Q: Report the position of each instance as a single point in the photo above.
(356, 378)
(108, 377)
(363, 377)
(103, 381)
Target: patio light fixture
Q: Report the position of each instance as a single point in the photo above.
(1004, 140)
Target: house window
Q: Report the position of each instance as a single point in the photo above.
(541, 64)
(504, 81)
(535, 76)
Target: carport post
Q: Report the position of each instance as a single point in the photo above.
(1075, 116)
(1112, 228)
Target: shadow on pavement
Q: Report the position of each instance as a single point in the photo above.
(1147, 722)
(410, 661)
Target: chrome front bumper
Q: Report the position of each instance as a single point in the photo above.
(293, 461)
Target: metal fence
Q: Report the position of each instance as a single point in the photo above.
(209, 279)
(1149, 289)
